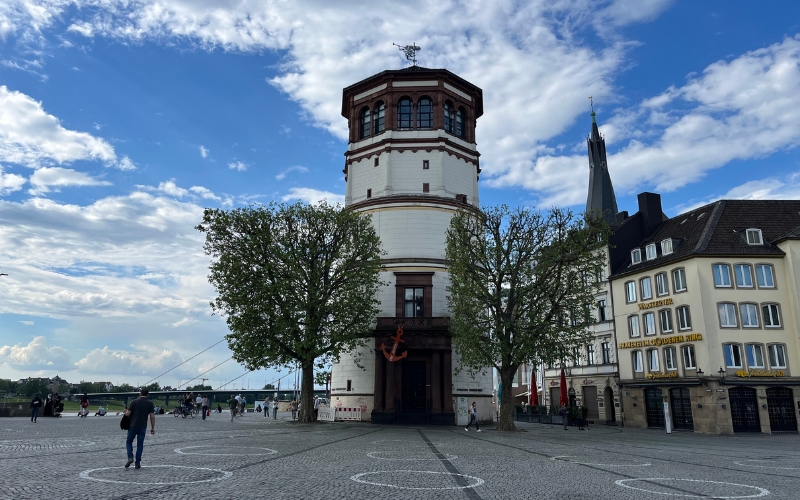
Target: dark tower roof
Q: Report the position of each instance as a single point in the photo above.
(601, 193)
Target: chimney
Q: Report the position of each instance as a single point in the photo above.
(650, 209)
(621, 216)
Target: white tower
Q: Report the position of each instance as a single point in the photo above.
(411, 163)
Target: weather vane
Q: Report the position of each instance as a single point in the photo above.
(410, 52)
(591, 103)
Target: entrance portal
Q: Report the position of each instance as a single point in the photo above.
(413, 387)
(780, 402)
(744, 409)
(681, 408)
(654, 405)
(608, 404)
(590, 401)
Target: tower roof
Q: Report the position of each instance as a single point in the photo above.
(601, 198)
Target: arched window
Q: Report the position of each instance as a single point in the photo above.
(449, 118)
(425, 113)
(379, 119)
(365, 123)
(405, 114)
(460, 122)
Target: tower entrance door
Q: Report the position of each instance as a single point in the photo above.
(413, 387)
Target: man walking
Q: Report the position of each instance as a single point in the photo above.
(35, 405)
(139, 411)
(266, 407)
(84, 405)
(275, 408)
(316, 408)
(233, 404)
(205, 404)
(473, 417)
(564, 413)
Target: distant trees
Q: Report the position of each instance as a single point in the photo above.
(195, 388)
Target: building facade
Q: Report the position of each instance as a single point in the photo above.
(411, 163)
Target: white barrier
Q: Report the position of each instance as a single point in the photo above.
(326, 414)
(343, 414)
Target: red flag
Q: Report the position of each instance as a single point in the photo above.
(564, 398)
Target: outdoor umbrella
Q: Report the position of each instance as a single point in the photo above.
(564, 399)
(534, 392)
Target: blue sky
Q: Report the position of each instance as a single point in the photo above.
(120, 121)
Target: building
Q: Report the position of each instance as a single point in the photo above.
(411, 163)
(706, 307)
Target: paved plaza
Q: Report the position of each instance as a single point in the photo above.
(252, 457)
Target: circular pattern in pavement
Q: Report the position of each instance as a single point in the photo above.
(192, 450)
(413, 455)
(565, 458)
(776, 463)
(42, 444)
(156, 474)
(697, 488)
(420, 479)
(394, 443)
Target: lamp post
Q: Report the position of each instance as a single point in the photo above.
(721, 373)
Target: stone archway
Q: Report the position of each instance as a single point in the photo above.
(608, 403)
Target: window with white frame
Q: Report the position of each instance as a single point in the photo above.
(727, 315)
(772, 316)
(605, 351)
(590, 354)
(651, 251)
(602, 311)
(744, 275)
(647, 288)
(684, 319)
(633, 326)
(777, 356)
(754, 237)
(764, 276)
(749, 315)
(652, 360)
(670, 361)
(649, 323)
(722, 275)
(688, 357)
(665, 317)
(733, 355)
(662, 286)
(636, 256)
(630, 291)
(679, 280)
(637, 361)
(526, 375)
(755, 355)
(666, 246)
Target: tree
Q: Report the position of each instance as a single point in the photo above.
(521, 288)
(295, 283)
(323, 377)
(269, 387)
(198, 387)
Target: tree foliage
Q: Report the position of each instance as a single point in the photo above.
(522, 283)
(295, 283)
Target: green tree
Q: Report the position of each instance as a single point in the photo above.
(195, 388)
(295, 283)
(36, 386)
(521, 288)
(269, 386)
(322, 377)
(125, 387)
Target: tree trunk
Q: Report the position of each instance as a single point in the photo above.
(506, 422)
(307, 392)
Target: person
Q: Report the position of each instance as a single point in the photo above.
(275, 408)
(48, 406)
(205, 404)
(101, 412)
(199, 401)
(473, 417)
(57, 406)
(187, 403)
(36, 403)
(219, 408)
(563, 412)
(233, 404)
(258, 408)
(139, 411)
(84, 405)
(294, 409)
(316, 408)
(266, 407)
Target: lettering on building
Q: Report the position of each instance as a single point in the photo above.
(674, 339)
(656, 303)
(760, 373)
(662, 375)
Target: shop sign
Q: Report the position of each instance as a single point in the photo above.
(760, 373)
(662, 375)
(655, 303)
(674, 339)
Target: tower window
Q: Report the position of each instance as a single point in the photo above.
(365, 123)
(449, 119)
(369, 193)
(425, 113)
(460, 119)
(377, 161)
(426, 165)
(426, 188)
(379, 119)
(414, 302)
(405, 114)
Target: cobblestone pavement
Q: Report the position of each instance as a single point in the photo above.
(71, 458)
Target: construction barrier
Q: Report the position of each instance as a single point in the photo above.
(326, 414)
(343, 414)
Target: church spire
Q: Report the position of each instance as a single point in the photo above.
(601, 197)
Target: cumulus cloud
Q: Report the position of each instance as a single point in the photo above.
(203, 151)
(49, 179)
(10, 182)
(146, 361)
(769, 188)
(170, 188)
(310, 195)
(35, 356)
(289, 170)
(238, 166)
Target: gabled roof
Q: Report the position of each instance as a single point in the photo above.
(720, 228)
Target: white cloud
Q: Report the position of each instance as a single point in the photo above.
(126, 164)
(27, 323)
(185, 321)
(203, 151)
(310, 195)
(10, 182)
(49, 179)
(238, 166)
(769, 188)
(36, 355)
(296, 168)
(147, 361)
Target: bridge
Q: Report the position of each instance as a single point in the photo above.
(216, 396)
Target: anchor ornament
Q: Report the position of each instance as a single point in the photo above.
(397, 340)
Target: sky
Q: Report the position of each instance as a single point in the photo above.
(120, 121)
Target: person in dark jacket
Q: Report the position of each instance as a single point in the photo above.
(35, 405)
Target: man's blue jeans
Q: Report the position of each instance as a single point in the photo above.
(138, 433)
(34, 414)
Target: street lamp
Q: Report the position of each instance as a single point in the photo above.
(721, 373)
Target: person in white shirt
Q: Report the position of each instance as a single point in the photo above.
(101, 412)
(316, 407)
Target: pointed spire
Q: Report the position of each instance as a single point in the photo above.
(601, 196)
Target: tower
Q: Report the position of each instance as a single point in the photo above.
(601, 197)
(411, 163)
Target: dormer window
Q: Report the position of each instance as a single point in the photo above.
(666, 246)
(754, 237)
(636, 255)
(651, 251)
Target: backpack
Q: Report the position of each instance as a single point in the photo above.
(125, 423)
